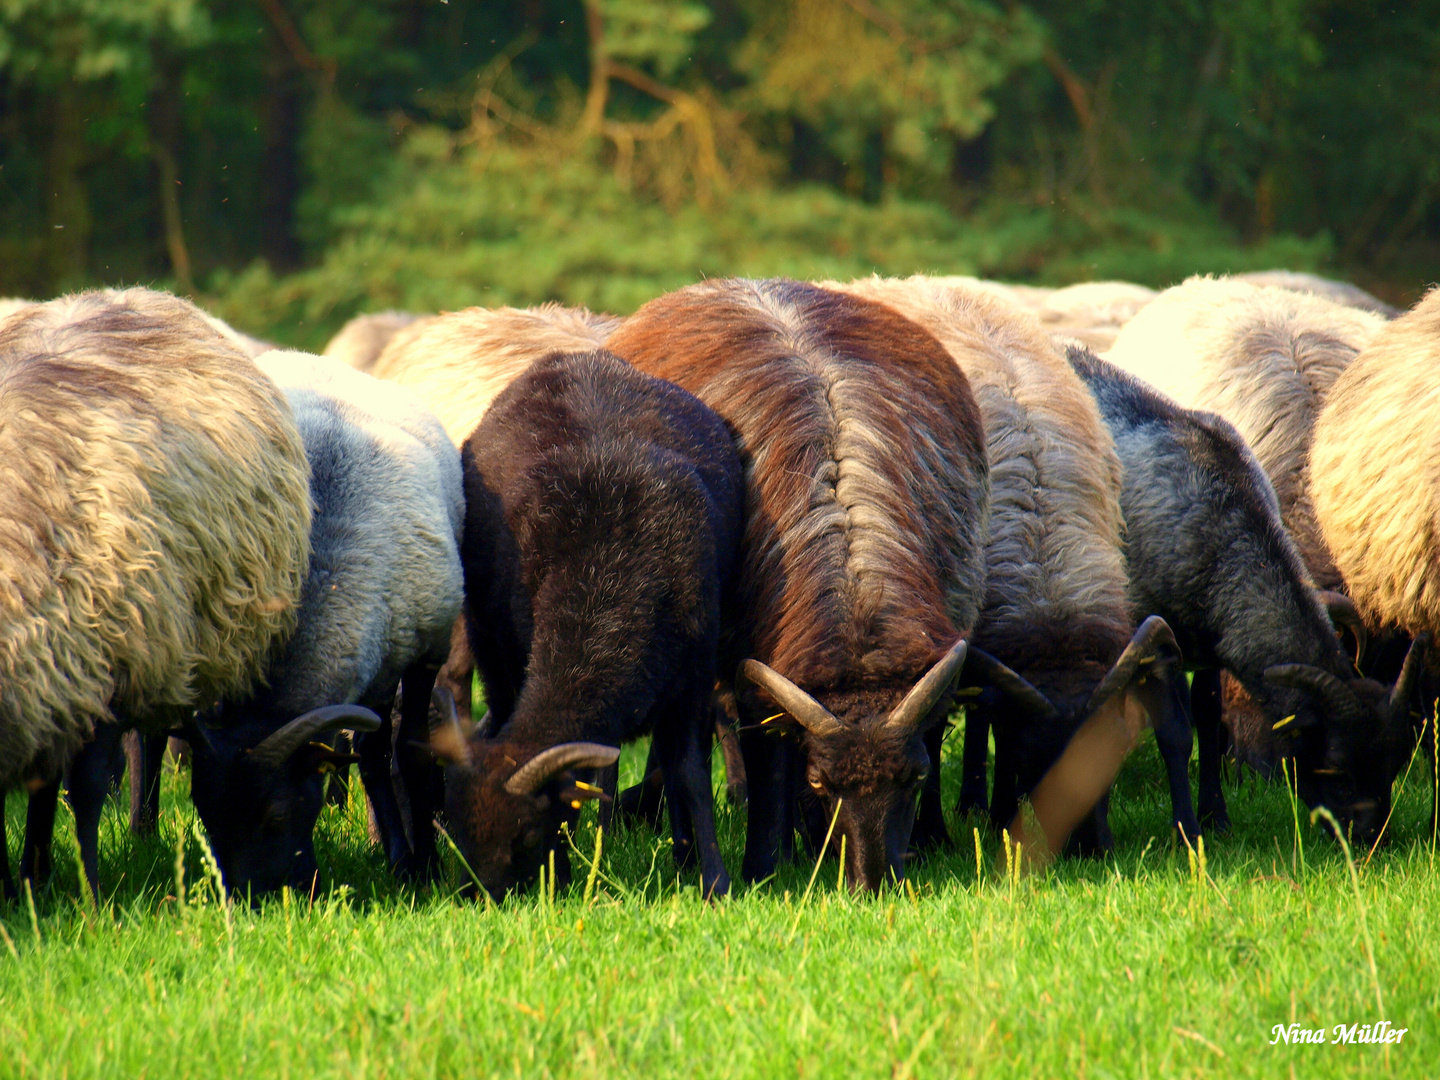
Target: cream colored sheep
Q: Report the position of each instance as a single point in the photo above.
(360, 341)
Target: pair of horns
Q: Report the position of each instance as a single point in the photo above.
(905, 719)
(1152, 641)
(278, 747)
(1339, 699)
(1346, 616)
(452, 741)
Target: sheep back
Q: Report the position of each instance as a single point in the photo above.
(154, 518)
(867, 493)
(1375, 472)
(384, 583)
(457, 362)
(1055, 574)
(1262, 357)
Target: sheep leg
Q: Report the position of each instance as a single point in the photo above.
(145, 755)
(645, 800)
(972, 769)
(770, 822)
(684, 752)
(413, 770)
(1205, 707)
(727, 719)
(35, 863)
(1171, 722)
(91, 774)
(930, 830)
(337, 784)
(375, 754)
(1005, 797)
(1092, 837)
(608, 781)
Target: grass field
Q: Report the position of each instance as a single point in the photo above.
(1143, 965)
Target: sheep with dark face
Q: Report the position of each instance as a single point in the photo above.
(1206, 550)
(1056, 623)
(603, 515)
(154, 526)
(382, 591)
(862, 564)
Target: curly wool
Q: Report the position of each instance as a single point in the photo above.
(1054, 557)
(1264, 358)
(1375, 473)
(458, 361)
(154, 519)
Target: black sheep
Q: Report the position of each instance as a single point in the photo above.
(603, 512)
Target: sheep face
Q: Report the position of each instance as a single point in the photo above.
(507, 803)
(866, 778)
(258, 788)
(1349, 749)
(259, 818)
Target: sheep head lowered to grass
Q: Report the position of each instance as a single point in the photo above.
(259, 791)
(506, 802)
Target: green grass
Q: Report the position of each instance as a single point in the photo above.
(1130, 967)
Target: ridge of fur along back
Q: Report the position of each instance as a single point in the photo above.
(1262, 357)
(1375, 473)
(154, 518)
(867, 496)
(457, 362)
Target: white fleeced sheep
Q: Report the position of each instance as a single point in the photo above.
(154, 520)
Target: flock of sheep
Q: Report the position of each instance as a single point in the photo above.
(807, 519)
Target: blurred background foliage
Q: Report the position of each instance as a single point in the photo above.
(294, 162)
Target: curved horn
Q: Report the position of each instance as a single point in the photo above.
(908, 715)
(1153, 637)
(536, 772)
(444, 702)
(1346, 616)
(1333, 694)
(1009, 683)
(277, 748)
(1409, 672)
(807, 712)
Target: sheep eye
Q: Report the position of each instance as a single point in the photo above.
(818, 786)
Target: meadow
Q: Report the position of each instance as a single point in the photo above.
(1157, 961)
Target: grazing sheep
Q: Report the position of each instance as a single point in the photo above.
(1206, 550)
(1056, 618)
(1339, 292)
(1263, 358)
(154, 524)
(384, 588)
(459, 361)
(861, 563)
(604, 511)
(360, 341)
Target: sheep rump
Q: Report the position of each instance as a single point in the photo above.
(154, 519)
(360, 341)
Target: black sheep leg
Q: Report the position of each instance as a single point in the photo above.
(412, 769)
(683, 747)
(1172, 736)
(973, 761)
(145, 755)
(1205, 708)
(7, 883)
(35, 861)
(770, 822)
(375, 754)
(91, 774)
(930, 830)
(1005, 796)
